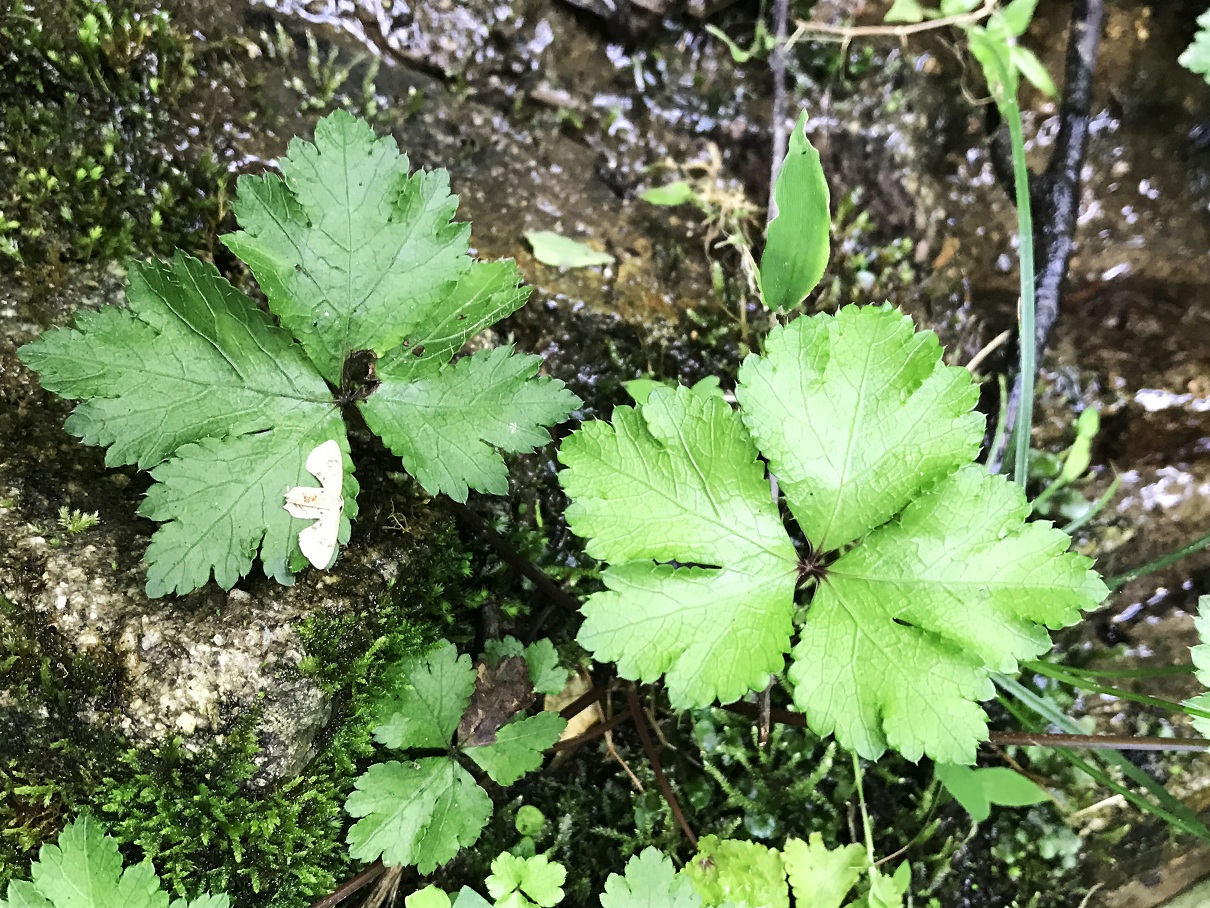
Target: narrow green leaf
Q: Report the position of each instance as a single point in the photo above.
(1017, 15)
(797, 247)
(1028, 65)
(561, 252)
(669, 195)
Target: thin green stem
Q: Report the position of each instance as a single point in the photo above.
(1097, 507)
(1116, 583)
(1025, 231)
(1160, 671)
(865, 817)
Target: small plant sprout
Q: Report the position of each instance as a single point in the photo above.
(75, 522)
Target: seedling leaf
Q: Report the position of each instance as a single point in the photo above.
(84, 870)
(518, 747)
(538, 878)
(417, 813)
(797, 249)
(673, 496)
(563, 252)
(978, 789)
(650, 881)
(821, 877)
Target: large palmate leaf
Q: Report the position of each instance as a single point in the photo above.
(701, 577)
(192, 377)
(84, 870)
(235, 415)
(926, 577)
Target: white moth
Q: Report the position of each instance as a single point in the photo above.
(318, 541)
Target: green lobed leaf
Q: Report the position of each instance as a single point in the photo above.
(650, 881)
(702, 574)
(417, 813)
(538, 878)
(424, 699)
(978, 789)
(353, 252)
(742, 873)
(84, 870)
(1201, 662)
(519, 747)
(901, 635)
(821, 877)
(799, 237)
(563, 252)
(443, 422)
(541, 656)
(192, 377)
(856, 413)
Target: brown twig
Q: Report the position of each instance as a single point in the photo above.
(653, 757)
(514, 559)
(595, 732)
(364, 878)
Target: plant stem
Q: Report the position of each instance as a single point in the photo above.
(865, 817)
(1116, 583)
(1007, 102)
(653, 757)
(360, 881)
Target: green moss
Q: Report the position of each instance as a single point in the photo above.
(51, 760)
(91, 161)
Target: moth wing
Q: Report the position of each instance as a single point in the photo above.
(305, 502)
(326, 465)
(318, 541)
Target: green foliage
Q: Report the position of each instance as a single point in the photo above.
(978, 789)
(195, 383)
(650, 881)
(541, 657)
(526, 882)
(867, 433)
(206, 824)
(796, 252)
(994, 45)
(1196, 57)
(1201, 661)
(93, 94)
(423, 811)
(741, 873)
(84, 870)
(563, 252)
(821, 877)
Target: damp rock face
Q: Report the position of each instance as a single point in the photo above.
(188, 666)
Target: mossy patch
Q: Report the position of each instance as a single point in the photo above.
(94, 158)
